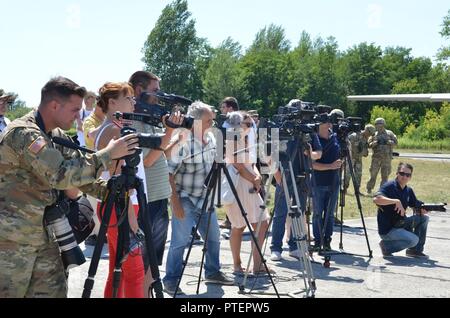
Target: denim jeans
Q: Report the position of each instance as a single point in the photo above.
(325, 200)
(159, 217)
(181, 234)
(279, 221)
(414, 234)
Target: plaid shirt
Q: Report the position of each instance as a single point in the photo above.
(190, 167)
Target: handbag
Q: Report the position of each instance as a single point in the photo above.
(227, 196)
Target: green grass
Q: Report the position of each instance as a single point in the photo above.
(424, 145)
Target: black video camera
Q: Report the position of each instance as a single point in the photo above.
(154, 113)
(145, 141)
(295, 120)
(346, 126)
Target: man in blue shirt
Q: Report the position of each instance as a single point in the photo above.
(397, 231)
(326, 190)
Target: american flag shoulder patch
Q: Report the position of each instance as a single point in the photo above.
(37, 145)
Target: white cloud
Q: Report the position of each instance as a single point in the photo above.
(73, 19)
(375, 16)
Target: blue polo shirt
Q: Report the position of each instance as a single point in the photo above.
(330, 153)
(387, 216)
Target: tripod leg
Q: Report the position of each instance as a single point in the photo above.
(123, 230)
(107, 204)
(358, 201)
(244, 215)
(299, 232)
(262, 212)
(343, 172)
(150, 253)
(211, 183)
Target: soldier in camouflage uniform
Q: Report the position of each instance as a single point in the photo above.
(382, 144)
(359, 148)
(32, 168)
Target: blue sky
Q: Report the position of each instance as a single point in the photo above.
(96, 41)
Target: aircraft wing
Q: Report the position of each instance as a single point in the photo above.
(402, 98)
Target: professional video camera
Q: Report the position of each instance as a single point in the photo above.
(296, 120)
(346, 126)
(155, 112)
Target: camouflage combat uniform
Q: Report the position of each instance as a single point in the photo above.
(382, 143)
(31, 167)
(359, 149)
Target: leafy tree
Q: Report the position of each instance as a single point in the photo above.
(392, 116)
(271, 38)
(174, 52)
(364, 75)
(444, 52)
(221, 77)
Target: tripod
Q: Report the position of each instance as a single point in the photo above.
(347, 162)
(118, 187)
(212, 184)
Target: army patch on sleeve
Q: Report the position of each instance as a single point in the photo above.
(37, 145)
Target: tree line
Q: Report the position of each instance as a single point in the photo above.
(273, 71)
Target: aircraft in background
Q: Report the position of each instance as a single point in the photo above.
(434, 98)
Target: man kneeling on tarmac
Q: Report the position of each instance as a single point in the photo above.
(397, 231)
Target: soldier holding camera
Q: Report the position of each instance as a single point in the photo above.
(359, 148)
(32, 167)
(382, 144)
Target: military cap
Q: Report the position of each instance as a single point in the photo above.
(380, 121)
(338, 113)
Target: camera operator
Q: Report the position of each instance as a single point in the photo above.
(359, 148)
(155, 163)
(281, 209)
(32, 168)
(382, 143)
(119, 97)
(326, 191)
(5, 100)
(397, 231)
(189, 164)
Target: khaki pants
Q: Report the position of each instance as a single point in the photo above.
(383, 164)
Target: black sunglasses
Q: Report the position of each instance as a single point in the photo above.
(404, 174)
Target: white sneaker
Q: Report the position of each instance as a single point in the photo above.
(275, 256)
(295, 254)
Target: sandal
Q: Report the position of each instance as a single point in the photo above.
(239, 272)
(263, 272)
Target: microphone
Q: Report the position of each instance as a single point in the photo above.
(68, 144)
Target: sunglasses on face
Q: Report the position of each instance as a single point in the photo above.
(404, 174)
